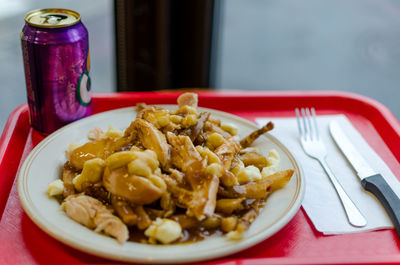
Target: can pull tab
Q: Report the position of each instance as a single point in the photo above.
(53, 19)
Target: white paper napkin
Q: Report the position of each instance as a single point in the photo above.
(321, 202)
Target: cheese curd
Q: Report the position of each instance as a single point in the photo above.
(92, 172)
(113, 132)
(164, 230)
(55, 188)
(247, 174)
(214, 140)
(273, 160)
(71, 148)
(230, 128)
(267, 171)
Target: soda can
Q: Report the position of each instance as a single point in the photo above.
(55, 49)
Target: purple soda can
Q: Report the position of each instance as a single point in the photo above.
(55, 49)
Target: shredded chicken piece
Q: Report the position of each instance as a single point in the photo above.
(139, 108)
(93, 214)
(204, 199)
(182, 196)
(188, 99)
(151, 138)
(227, 151)
(212, 127)
(136, 189)
(186, 157)
(96, 133)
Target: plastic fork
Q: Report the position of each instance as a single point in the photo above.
(314, 147)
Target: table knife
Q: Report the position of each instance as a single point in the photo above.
(371, 180)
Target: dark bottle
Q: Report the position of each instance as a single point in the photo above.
(163, 44)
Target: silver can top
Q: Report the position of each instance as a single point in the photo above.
(52, 18)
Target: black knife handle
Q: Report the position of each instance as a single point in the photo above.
(377, 185)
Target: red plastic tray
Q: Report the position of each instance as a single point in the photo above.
(22, 242)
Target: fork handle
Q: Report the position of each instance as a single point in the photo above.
(353, 213)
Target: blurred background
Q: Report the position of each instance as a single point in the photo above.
(137, 45)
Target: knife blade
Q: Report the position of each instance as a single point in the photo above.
(371, 180)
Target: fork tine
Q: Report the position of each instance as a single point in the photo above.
(315, 123)
(310, 125)
(298, 118)
(305, 125)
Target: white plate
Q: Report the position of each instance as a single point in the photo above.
(45, 161)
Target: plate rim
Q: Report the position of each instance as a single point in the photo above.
(276, 226)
